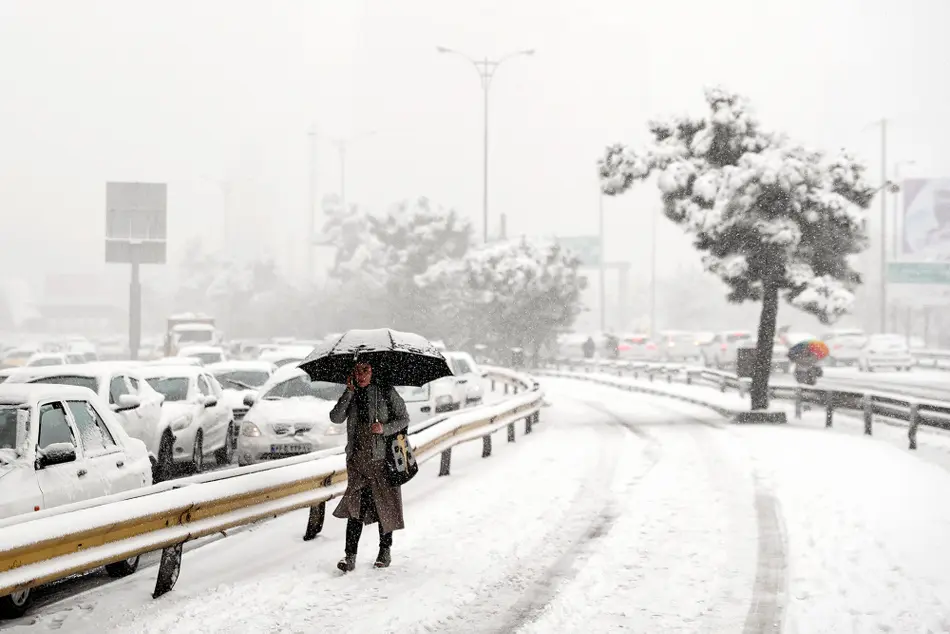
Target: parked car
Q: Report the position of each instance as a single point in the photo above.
(136, 405)
(205, 354)
(18, 356)
(677, 346)
(61, 444)
(195, 420)
(290, 417)
(720, 351)
(432, 399)
(467, 374)
(844, 346)
(41, 359)
(885, 351)
(238, 379)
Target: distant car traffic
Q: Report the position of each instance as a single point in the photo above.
(61, 444)
(844, 346)
(205, 354)
(290, 417)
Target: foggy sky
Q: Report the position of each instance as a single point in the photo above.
(218, 95)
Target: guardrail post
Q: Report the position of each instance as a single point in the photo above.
(722, 384)
(829, 407)
(914, 423)
(506, 388)
(527, 423)
(798, 402)
(446, 464)
(866, 405)
(315, 522)
(689, 378)
(515, 388)
(168, 570)
(669, 376)
(486, 446)
(493, 385)
(511, 432)
(650, 373)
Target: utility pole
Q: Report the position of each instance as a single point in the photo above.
(486, 69)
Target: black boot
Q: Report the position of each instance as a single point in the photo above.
(347, 564)
(383, 559)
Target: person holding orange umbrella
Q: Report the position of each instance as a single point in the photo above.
(806, 355)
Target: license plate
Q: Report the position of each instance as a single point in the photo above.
(296, 448)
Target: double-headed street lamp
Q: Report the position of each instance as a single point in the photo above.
(486, 71)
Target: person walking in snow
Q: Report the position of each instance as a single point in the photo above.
(371, 412)
(589, 348)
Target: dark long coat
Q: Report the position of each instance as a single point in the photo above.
(367, 469)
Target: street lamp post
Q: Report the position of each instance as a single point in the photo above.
(341, 144)
(486, 71)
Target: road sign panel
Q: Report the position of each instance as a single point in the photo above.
(918, 272)
(136, 222)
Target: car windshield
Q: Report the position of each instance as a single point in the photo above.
(412, 394)
(78, 381)
(9, 414)
(194, 336)
(299, 387)
(242, 379)
(174, 388)
(282, 362)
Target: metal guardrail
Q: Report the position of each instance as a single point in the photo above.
(79, 538)
(915, 411)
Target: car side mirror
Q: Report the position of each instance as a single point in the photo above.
(57, 453)
(210, 401)
(462, 381)
(249, 400)
(128, 401)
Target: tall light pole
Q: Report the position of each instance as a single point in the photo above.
(486, 71)
(312, 203)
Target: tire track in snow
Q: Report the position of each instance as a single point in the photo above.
(766, 614)
(540, 586)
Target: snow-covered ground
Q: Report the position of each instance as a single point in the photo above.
(621, 511)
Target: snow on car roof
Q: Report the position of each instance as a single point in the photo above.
(187, 362)
(240, 364)
(28, 373)
(286, 352)
(192, 326)
(28, 392)
(282, 374)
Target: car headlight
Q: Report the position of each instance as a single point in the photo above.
(335, 430)
(445, 399)
(180, 424)
(250, 430)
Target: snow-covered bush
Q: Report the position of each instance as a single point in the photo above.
(504, 294)
(769, 216)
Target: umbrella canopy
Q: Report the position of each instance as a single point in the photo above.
(398, 358)
(808, 351)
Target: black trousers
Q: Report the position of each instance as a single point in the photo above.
(354, 527)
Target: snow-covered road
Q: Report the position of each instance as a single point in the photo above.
(620, 511)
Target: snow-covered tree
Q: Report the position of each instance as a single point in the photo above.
(516, 293)
(416, 235)
(769, 215)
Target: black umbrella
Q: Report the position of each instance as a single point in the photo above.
(398, 358)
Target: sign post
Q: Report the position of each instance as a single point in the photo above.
(136, 215)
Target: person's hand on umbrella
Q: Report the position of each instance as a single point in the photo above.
(349, 383)
(376, 428)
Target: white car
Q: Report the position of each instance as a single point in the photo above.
(885, 351)
(678, 346)
(136, 405)
(58, 445)
(468, 375)
(205, 354)
(844, 346)
(432, 399)
(195, 420)
(240, 378)
(291, 417)
(285, 355)
(635, 347)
